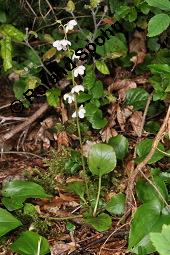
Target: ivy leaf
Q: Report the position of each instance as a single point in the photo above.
(143, 148)
(101, 159)
(158, 24)
(6, 53)
(117, 204)
(7, 222)
(53, 96)
(137, 97)
(161, 240)
(102, 67)
(31, 243)
(101, 223)
(90, 78)
(163, 4)
(120, 144)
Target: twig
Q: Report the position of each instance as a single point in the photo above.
(26, 123)
(140, 167)
(5, 106)
(22, 152)
(145, 113)
(103, 245)
(3, 118)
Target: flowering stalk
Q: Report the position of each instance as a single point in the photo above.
(71, 97)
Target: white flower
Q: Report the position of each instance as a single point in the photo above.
(77, 89)
(69, 97)
(79, 70)
(75, 56)
(81, 112)
(61, 44)
(70, 25)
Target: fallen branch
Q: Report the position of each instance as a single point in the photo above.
(26, 123)
(139, 168)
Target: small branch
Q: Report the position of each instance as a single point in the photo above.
(22, 152)
(139, 168)
(144, 115)
(26, 123)
(3, 118)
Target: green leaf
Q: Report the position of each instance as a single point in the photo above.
(122, 12)
(113, 48)
(147, 219)
(77, 187)
(19, 191)
(143, 220)
(158, 24)
(53, 96)
(160, 68)
(90, 78)
(19, 88)
(101, 159)
(97, 90)
(12, 204)
(161, 240)
(163, 4)
(117, 204)
(101, 223)
(31, 243)
(137, 97)
(102, 67)
(120, 145)
(6, 53)
(143, 148)
(147, 193)
(13, 32)
(7, 222)
(95, 116)
(2, 17)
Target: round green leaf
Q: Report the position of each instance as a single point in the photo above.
(101, 159)
(163, 4)
(158, 24)
(120, 145)
(101, 223)
(117, 204)
(31, 243)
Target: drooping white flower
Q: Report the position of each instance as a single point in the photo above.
(77, 89)
(75, 56)
(61, 44)
(79, 70)
(81, 112)
(69, 97)
(70, 25)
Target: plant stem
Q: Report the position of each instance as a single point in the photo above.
(98, 196)
(63, 218)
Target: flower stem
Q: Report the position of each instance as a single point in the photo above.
(98, 196)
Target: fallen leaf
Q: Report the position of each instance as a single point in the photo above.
(61, 248)
(138, 46)
(121, 118)
(136, 120)
(107, 133)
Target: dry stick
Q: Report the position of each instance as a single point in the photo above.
(26, 123)
(145, 113)
(140, 167)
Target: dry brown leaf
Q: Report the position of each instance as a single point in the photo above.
(87, 147)
(62, 139)
(121, 118)
(64, 113)
(68, 197)
(136, 120)
(60, 248)
(138, 46)
(122, 92)
(107, 133)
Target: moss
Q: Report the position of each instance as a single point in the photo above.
(56, 166)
